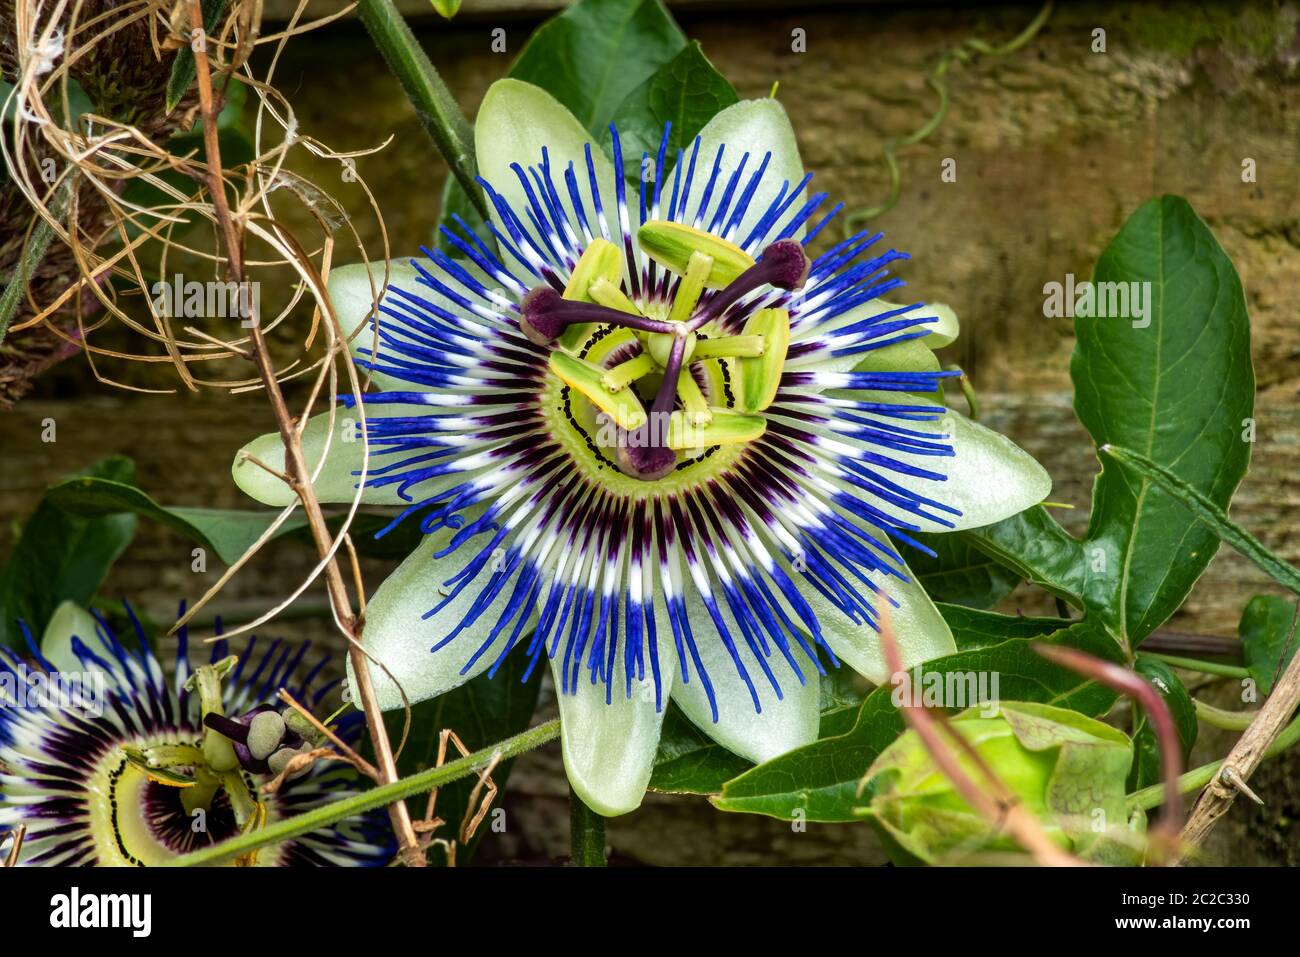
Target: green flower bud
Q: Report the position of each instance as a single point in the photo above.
(1067, 769)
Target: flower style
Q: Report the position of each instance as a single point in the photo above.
(104, 758)
(672, 458)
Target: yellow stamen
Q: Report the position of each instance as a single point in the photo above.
(735, 346)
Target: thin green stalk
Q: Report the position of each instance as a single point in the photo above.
(42, 234)
(1209, 513)
(586, 833)
(1222, 718)
(443, 120)
(369, 800)
(1205, 667)
(1197, 778)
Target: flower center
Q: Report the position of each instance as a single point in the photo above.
(670, 378)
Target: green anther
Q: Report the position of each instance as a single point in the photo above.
(623, 406)
(761, 375)
(601, 262)
(625, 373)
(692, 284)
(608, 294)
(730, 346)
(672, 245)
(140, 760)
(659, 344)
(696, 406)
(727, 428)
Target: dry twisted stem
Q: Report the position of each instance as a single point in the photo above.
(230, 227)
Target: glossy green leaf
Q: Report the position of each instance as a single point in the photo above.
(959, 573)
(1174, 383)
(1035, 545)
(594, 54)
(227, 532)
(1211, 515)
(1146, 769)
(446, 8)
(972, 628)
(820, 780)
(1268, 638)
(689, 761)
(61, 556)
(687, 92)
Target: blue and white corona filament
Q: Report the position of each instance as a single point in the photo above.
(110, 776)
(654, 440)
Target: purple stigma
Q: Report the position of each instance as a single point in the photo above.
(783, 265)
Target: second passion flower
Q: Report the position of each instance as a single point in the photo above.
(652, 440)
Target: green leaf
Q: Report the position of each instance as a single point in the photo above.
(972, 628)
(481, 712)
(594, 54)
(446, 8)
(227, 532)
(690, 762)
(686, 91)
(1212, 516)
(1146, 769)
(1176, 391)
(184, 68)
(1268, 638)
(959, 573)
(820, 780)
(61, 557)
(1035, 545)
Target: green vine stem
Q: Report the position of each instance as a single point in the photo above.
(1197, 778)
(1204, 667)
(1222, 718)
(586, 833)
(964, 52)
(369, 800)
(443, 120)
(39, 243)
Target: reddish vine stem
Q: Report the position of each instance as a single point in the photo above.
(1164, 835)
(295, 464)
(1004, 812)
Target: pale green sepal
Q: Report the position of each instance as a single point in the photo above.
(68, 621)
(609, 748)
(397, 634)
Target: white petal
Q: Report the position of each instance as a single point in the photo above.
(402, 640)
(783, 725)
(352, 289)
(609, 749)
(946, 330)
(68, 621)
(514, 123)
(756, 127)
(335, 481)
(989, 477)
(919, 629)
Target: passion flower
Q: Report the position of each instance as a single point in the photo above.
(653, 439)
(121, 772)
